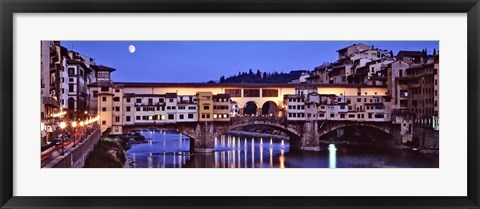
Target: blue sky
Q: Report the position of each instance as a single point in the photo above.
(200, 61)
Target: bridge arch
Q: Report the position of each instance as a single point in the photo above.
(381, 127)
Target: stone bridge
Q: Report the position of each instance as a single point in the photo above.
(304, 135)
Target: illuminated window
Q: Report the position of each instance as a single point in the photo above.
(251, 92)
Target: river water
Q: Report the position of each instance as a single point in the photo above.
(171, 150)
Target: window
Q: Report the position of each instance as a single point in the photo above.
(95, 93)
(105, 89)
(128, 99)
(161, 100)
(117, 90)
(116, 99)
(103, 75)
(171, 116)
(117, 109)
(104, 122)
(127, 118)
(70, 88)
(144, 117)
(138, 117)
(234, 92)
(190, 116)
(192, 107)
(128, 109)
(71, 71)
(63, 80)
(104, 109)
(379, 116)
(206, 107)
(251, 92)
(150, 100)
(332, 115)
(359, 99)
(63, 90)
(117, 119)
(180, 116)
(170, 100)
(139, 100)
(137, 108)
(269, 93)
(70, 80)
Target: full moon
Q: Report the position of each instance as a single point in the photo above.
(131, 49)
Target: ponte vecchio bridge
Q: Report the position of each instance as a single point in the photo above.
(200, 110)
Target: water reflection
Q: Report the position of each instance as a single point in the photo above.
(171, 150)
(332, 158)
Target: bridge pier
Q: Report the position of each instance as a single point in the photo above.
(309, 138)
(203, 139)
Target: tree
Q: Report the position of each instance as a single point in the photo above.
(391, 53)
(258, 74)
(434, 51)
(250, 72)
(222, 79)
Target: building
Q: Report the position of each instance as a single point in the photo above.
(355, 103)
(356, 64)
(50, 82)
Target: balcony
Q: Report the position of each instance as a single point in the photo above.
(49, 101)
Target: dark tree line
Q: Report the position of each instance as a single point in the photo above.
(262, 77)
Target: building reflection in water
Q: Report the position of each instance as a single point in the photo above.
(332, 156)
(171, 150)
(231, 153)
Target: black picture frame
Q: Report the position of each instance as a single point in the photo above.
(10, 7)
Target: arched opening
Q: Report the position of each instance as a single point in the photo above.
(161, 148)
(358, 135)
(71, 107)
(270, 109)
(235, 109)
(71, 104)
(250, 109)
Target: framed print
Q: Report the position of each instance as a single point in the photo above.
(237, 104)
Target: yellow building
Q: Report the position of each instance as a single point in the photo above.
(205, 106)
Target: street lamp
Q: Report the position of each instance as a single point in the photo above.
(74, 126)
(62, 126)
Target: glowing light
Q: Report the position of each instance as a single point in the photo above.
(42, 126)
(74, 124)
(332, 158)
(63, 125)
(81, 123)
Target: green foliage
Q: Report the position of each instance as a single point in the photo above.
(107, 153)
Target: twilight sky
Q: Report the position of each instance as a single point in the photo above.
(201, 61)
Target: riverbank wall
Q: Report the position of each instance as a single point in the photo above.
(75, 157)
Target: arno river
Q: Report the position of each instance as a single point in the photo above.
(171, 150)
